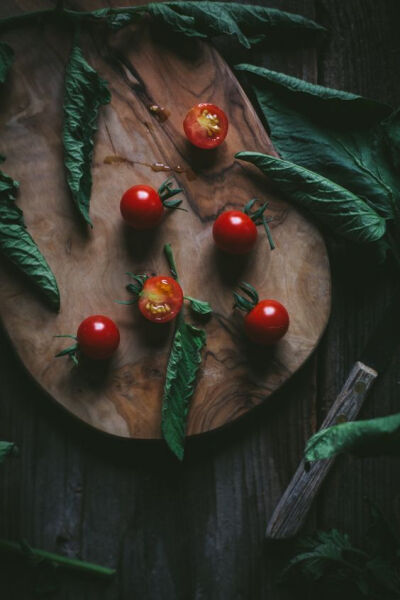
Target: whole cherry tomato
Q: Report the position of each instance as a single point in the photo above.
(234, 232)
(98, 337)
(141, 207)
(161, 299)
(206, 125)
(267, 322)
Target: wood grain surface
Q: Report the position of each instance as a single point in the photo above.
(124, 396)
(196, 531)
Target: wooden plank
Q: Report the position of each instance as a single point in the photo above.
(357, 58)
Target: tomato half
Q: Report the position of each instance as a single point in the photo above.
(141, 207)
(98, 337)
(234, 232)
(206, 125)
(267, 322)
(161, 299)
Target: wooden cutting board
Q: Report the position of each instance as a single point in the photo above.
(124, 399)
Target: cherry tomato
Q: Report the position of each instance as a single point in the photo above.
(98, 337)
(206, 125)
(141, 207)
(267, 322)
(161, 299)
(234, 232)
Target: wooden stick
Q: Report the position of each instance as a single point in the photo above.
(292, 509)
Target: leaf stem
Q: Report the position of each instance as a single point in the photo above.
(171, 261)
(16, 549)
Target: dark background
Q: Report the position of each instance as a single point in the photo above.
(196, 531)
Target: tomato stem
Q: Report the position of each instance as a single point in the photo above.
(71, 351)
(268, 232)
(258, 218)
(243, 303)
(166, 191)
(171, 261)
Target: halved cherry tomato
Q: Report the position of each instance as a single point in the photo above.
(206, 125)
(267, 322)
(161, 299)
(141, 207)
(98, 337)
(234, 232)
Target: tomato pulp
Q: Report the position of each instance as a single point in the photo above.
(206, 125)
(161, 299)
(267, 322)
(141, 207)
(98, 337)
(234, 232)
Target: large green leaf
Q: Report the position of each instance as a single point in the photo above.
(341, 210)
(115, 18)
(183, 364)
(372, 437)
(6, 59)
(85, 92)
(18, 246)
(6, 449)
(337, 134)
(248, 23)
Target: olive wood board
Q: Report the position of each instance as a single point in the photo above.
(123, 397)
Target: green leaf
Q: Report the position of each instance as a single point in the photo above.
(85, 92)
(342, 211)
(17, 245)
(199, 306)
(248, 23)
(328, 562)
(37, 557)
(183, 364)
(366, 438)
(319, 554)
(336, 134)
(6, 60)
(7, 449)
(117, 18)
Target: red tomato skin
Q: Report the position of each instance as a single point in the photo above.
(198, 134)
(98, 337)
(141, 207)
(267, 322)
(160, 291)
(234, 232)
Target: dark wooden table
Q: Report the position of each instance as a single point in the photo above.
(196, 531)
